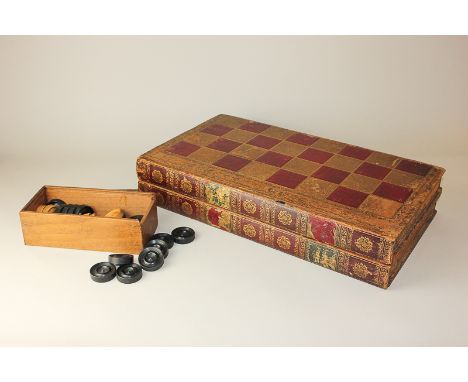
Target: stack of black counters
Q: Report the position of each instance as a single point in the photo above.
(71, 209)
(59, 206)
(74, 209)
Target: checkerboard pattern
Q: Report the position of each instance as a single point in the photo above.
(348, 175)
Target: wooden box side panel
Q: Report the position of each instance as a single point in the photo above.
(81, 232)
(150, 221)
(90, 232)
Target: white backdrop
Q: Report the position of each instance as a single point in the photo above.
(78, 110)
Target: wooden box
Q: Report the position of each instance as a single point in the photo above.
(366, 204)
(96, 233)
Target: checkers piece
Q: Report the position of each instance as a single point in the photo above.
(151, 259)
(58, 202)
(115, 213)
(40, 207)
(50, 208)
(67, 209)
(120, 259)
(129, 273)
(183, 235)
(83, 210)
(102, 272)
(161, 244)
(59, 209)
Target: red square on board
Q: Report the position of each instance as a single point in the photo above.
(414, 167)
(348, 197)
(286, 178)
(355, 152)
(231, 162)
(372, 170)
(314, 155)
(254, 127)
(225, 145)
(330, 174)
(183, 148)
(275, 159)
(393, 192)
(302, 139)
(216, 129)
(263, 141)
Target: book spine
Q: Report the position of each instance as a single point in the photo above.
(279, 215)
(285, 241)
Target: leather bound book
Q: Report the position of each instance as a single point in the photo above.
(355, 199)
(347, 263)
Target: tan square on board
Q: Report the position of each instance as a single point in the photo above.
(328, 145)
(380, 206)
(318, 187)
(289, 148)
(382, 159)
(301, 166)
(258, 170)
(361, 183)
(248, 151)
(276, 132)
(402, 178)
(200, 139)
(239, 135)
(206, 155)
(343, 163)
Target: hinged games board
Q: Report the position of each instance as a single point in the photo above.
(348, 208)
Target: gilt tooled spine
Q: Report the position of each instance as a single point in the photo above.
(266, 234)
(326, 231)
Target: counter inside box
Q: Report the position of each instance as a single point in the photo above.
(97, 233)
